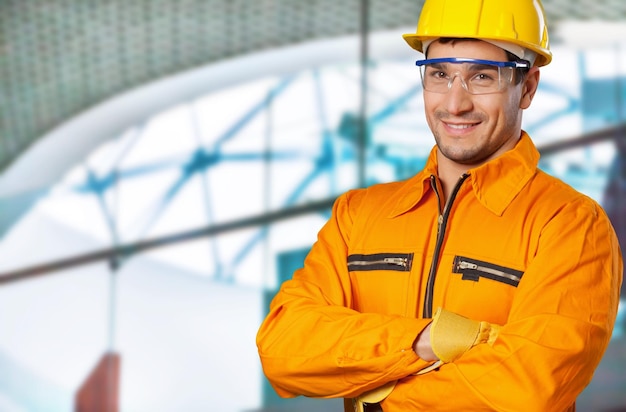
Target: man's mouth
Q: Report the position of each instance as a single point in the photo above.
(460, 126)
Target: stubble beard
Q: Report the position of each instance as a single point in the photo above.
(466, 156)
(483, 148)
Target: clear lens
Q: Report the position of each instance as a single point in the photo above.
(476, 78)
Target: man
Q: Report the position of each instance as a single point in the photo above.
(481, 283)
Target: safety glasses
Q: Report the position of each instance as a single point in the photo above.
(477, 76)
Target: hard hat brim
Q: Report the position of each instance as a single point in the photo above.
(415, 41)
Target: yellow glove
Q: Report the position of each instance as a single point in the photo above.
(373, 396)
(451, 335)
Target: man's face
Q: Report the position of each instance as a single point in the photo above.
(472, 129)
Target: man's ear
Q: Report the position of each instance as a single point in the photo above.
(529, 87)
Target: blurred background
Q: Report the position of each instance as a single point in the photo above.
(166, 164)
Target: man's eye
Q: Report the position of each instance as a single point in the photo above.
(484, 77)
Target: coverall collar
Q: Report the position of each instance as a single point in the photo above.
(495, 183)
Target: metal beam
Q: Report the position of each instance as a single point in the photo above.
(121, 252)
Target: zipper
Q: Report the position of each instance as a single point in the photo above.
(442, 222)
(474, 269)
(389, 261)
(381, 261)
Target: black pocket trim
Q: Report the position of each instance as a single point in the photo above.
(472, 269)
(400, 262)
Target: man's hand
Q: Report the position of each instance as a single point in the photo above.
(422, 347)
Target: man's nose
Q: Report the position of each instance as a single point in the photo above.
(458, 97)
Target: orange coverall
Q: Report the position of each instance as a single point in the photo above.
(513, 246)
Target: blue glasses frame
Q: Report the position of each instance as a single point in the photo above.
(519, 64)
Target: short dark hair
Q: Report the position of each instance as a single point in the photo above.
(520, 72)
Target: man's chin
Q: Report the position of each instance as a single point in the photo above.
(461, 157)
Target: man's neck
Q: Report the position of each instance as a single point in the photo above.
(449, 173)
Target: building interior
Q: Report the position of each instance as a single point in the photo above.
(166, 164)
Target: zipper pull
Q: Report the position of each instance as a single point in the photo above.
(467, 265)
(396, 261)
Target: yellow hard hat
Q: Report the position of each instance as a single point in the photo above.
(520, 22)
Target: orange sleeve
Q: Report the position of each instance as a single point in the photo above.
(312, 343)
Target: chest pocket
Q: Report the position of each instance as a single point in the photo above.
(477, 289)
(379, 281)
(472, 269)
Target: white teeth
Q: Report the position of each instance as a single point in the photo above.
(460, 126)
